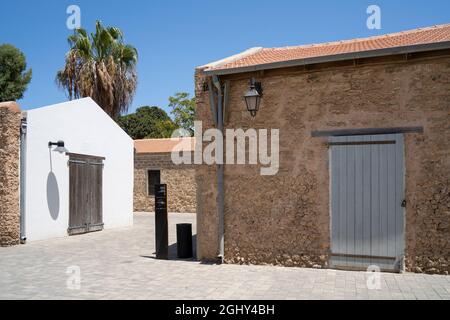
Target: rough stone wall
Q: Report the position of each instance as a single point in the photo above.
(180, 180)
(205, 177)
(285, 219)
(9, 173)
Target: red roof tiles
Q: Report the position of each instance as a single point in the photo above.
(270, 55)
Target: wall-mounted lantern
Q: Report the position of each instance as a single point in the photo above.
(253, 97)
(59, 146)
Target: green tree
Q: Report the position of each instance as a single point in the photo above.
(183, 110)
(147, 122)
(13, 77)
(102, 67)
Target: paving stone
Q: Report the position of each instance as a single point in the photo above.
(120, 264)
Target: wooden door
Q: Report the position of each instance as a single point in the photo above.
(367, 194)
(85, 193)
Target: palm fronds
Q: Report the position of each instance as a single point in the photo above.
(102, 67)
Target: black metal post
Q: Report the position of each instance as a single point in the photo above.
(184, 240)
(161, 222)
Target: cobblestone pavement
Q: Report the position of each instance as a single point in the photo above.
(120, 264)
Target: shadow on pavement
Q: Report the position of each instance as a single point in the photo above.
(173, 253)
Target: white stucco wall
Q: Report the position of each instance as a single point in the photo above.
(86, 129)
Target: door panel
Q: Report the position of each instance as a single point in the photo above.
(85, 198)
(96, 217)
(367, 188)
(77, 199)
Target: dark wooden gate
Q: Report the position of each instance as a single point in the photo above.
(85, 193)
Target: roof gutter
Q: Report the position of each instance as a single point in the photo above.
(23, 163)
(332, 58)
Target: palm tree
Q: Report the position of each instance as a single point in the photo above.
(102, 67)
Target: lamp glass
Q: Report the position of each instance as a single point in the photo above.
(60, 150)
(252, 99)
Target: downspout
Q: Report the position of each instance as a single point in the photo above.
(23, 153)
(212, 101)
(220, 169)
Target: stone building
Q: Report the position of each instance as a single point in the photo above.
(153, 165)
(364, 155)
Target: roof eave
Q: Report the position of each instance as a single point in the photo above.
(332, 58)
(221, 62)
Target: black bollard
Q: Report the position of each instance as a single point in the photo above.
(161, 223)
(184, 240)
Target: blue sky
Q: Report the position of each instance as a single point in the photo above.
(173, 37)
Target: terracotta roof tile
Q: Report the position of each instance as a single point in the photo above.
(427, 35)
(164, 145)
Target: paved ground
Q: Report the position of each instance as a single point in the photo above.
(120, 264)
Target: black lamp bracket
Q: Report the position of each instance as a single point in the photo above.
(257, 85)
(58, 144)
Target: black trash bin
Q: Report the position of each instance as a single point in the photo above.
(184, 240)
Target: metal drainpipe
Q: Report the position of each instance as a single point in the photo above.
(220, 170)
(23, 148)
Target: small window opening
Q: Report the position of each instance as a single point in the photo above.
(153, 177)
